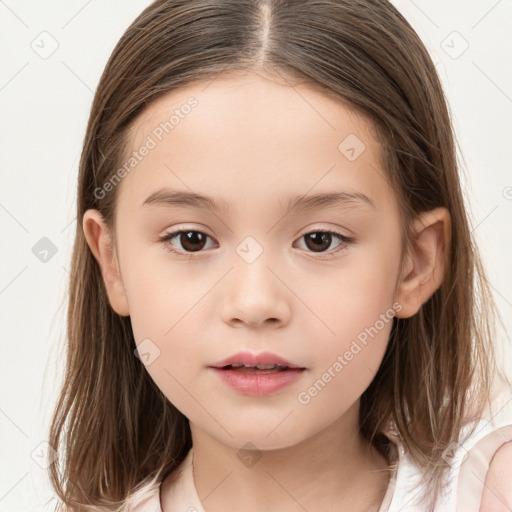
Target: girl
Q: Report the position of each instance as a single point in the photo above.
(276, 303)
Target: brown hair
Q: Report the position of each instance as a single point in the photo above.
(117, 428)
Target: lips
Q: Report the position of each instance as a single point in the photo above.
(263, 362)
(256, 374)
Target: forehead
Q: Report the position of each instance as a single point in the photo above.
(242, 134)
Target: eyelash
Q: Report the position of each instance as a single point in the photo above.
(166, 239)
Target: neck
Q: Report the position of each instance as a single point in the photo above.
(334, 469)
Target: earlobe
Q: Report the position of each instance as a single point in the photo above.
(100, 242)
(426, 263)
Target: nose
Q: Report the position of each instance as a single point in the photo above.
(255, 295)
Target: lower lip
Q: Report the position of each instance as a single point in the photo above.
(258, 384)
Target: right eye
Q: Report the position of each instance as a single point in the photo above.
(190, 240)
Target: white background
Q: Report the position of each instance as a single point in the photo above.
(44, 105)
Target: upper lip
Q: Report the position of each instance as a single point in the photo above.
(249, 359)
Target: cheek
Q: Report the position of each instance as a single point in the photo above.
(160, 293)
(166, 304)
(355, 318)
(164, 314)
(345, 367)
(351, 298)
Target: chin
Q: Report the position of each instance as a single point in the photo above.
(247, 435)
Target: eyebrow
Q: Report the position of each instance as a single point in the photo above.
(168, 197)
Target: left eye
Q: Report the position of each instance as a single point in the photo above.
(194, 241)
(320, 240)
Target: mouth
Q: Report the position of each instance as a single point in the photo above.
(264, 362)
(260, 369)
(257, 374)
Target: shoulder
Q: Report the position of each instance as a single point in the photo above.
(484, 470)
(497, 492)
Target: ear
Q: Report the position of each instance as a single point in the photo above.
(424, 268)
(100, 242)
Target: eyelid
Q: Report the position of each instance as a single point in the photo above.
(319, 229)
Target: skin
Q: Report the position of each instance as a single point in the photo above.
(253, 141)
(497, 491)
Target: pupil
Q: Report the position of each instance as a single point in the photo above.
(320, 240)
(190, 239)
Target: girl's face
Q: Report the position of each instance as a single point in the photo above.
(252, 274)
